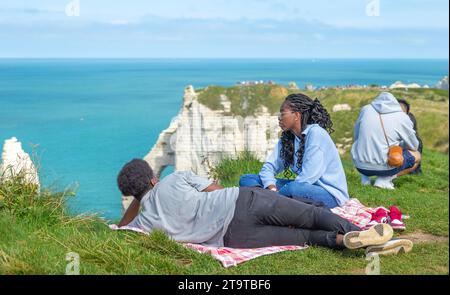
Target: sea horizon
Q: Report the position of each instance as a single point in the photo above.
(225, 58)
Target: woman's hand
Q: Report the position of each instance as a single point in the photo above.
(272, 188)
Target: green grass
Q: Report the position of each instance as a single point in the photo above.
(36, 231)
(430, 106)
(245, 100)
(423, 197)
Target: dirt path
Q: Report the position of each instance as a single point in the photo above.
(421, 237)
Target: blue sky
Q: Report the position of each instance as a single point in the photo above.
(225, 28)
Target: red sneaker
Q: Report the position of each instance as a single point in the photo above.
(380, 216)
(395, 218)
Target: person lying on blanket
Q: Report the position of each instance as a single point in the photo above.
(307, 149)
(192, 209)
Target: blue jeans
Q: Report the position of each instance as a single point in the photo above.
(293, 189)
(408, 162)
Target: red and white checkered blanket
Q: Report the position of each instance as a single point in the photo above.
(227, 256)
(356, 213)
(352, 210)
(232, 256)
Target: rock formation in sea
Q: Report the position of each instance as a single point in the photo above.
(198, 137)
(400, 84)
(16, 162)
(443, 83)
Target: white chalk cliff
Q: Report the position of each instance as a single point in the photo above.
(443, 83)
(198, 137)
(15, 161)
(400, 84)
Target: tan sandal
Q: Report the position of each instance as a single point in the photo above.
(394, 246)
(376, 235)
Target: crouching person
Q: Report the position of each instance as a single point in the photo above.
(381, 125)
(189, 208)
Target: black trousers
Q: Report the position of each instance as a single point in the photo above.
(265, 218)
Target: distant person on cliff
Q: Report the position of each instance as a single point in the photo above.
(371, 143)
(192, 209)
(406, 108)
(307, 149)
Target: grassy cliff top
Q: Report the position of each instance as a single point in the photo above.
(430, 106)
(37, 233)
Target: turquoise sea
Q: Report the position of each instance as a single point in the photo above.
(87, 117)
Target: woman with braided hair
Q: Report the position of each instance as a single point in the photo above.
(307, 149)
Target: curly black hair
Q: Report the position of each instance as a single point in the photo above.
(134, 178)
(312, 112)
(405, 103)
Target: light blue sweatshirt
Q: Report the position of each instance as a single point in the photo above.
(370, 149)
(321, 164)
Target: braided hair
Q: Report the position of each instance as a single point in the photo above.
(312, 112)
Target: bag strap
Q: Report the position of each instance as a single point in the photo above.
(384, 131)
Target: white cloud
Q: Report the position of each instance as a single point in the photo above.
(157, 36)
